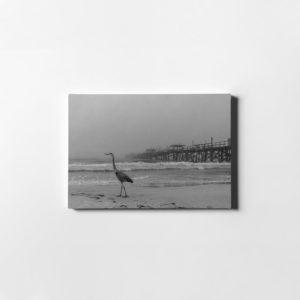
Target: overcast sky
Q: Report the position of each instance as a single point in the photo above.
(131, 123)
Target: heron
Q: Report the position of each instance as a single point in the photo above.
(122, 177)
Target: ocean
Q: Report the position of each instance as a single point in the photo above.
(149, 174)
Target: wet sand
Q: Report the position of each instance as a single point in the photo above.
(205, 196)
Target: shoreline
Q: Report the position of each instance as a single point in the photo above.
(210, 196)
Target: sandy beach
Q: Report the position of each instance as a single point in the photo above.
(205, 196)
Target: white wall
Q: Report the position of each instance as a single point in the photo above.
(51, 48)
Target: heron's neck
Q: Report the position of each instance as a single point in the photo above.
(113, 162)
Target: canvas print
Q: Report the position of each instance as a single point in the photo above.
(151, 152)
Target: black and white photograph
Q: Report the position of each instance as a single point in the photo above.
(150, 151)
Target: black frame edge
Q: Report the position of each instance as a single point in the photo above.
(234, 153)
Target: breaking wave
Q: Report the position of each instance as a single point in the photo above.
(186, 183)
(140, 181)
(82, 180)
(145, 166)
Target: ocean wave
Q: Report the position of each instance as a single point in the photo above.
(186, 184)
(143, 182)
(102, 182)
(145, 166)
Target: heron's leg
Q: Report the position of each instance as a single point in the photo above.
(121, 190)
(125, 191)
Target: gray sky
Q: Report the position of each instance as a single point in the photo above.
(131, 123)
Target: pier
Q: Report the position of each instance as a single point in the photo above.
(207, 152)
